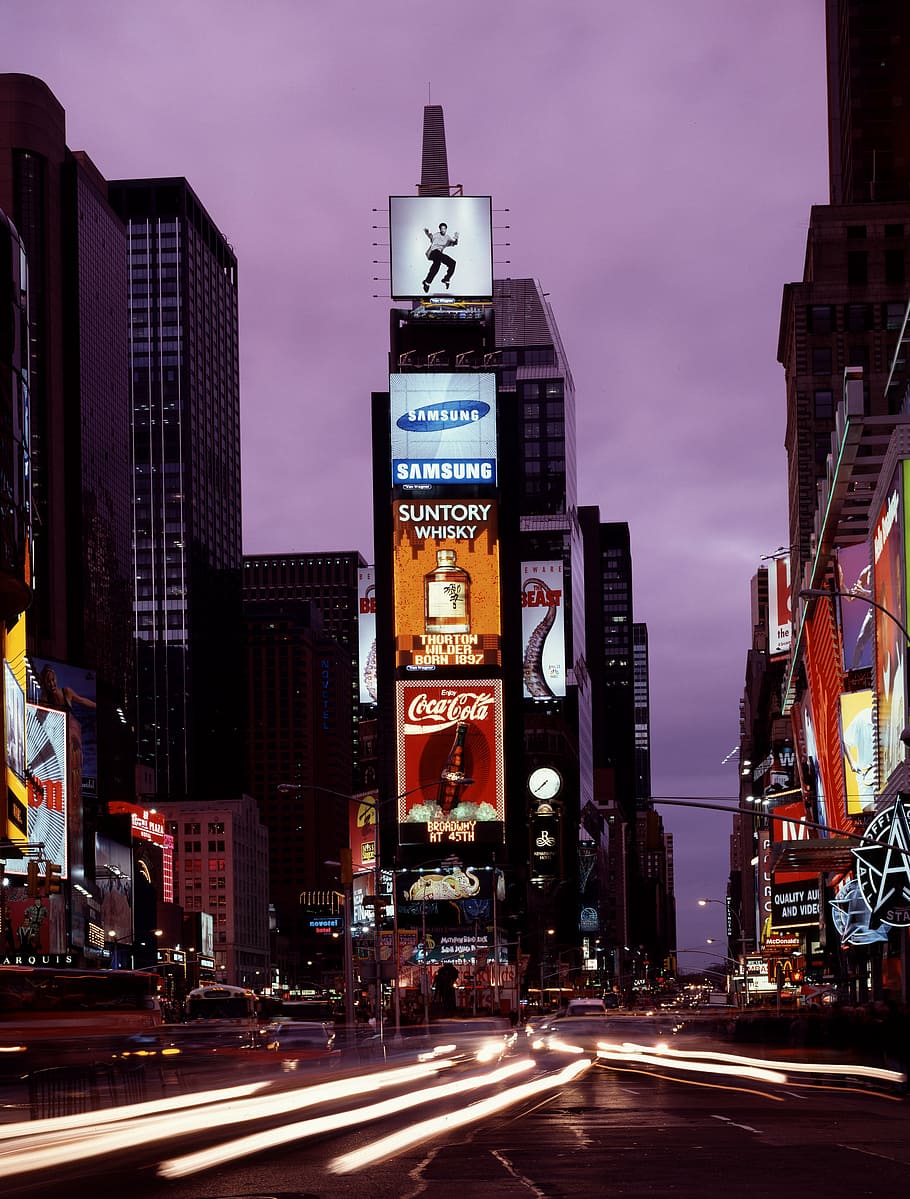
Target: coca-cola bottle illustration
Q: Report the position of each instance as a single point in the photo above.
(452, 781)
(447, 596)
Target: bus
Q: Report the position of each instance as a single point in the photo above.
(223, 1005)
(40, 1004)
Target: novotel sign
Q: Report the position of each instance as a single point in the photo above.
(443, 429)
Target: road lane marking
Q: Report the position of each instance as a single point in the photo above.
(733, 1124)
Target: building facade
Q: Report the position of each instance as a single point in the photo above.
(186, 511)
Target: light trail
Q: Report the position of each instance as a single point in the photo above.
(398, 1141)
(272, 1138)
(42, 1148)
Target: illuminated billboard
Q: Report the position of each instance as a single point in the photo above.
(441, 246)
(362, 832)
(14, 722)
(794, 895)
(72, 689)
(45, 741)
(858, 740)
(888, 565)
(857, 616)
(543, 630)
(780, 619)
(366, 633)
(437, 721)
(446, 566)
(443, 429)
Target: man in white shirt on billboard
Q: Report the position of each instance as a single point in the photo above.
(439, 243)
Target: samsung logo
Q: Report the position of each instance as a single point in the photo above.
(450, 414)
(470, 470)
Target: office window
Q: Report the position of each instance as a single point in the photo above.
(820, 318)
(857, 268)
(821, 360)
(858, 318)
(824, 405)
(894, 266)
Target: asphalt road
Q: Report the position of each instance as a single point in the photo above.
(621, 1127)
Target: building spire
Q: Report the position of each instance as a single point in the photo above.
(434, 174)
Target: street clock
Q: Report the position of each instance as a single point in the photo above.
(545, 782)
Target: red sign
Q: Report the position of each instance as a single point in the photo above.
(429, 716)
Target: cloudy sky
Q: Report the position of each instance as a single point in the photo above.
(652, 164)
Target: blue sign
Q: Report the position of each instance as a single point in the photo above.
(443, 429)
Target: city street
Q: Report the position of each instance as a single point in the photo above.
(628, 1124)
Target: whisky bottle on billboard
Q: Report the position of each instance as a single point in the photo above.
(452, 780)
(447, 596)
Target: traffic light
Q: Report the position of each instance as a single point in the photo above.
(31, 886)
(52, 878)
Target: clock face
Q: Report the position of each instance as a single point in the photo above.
(545, 782)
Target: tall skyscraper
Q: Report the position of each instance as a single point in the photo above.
(79, 395)
(185, 411)
(848, 309)
(300, 624)
(642, 690)
(868, 57)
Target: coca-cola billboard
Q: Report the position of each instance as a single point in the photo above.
(450, 777)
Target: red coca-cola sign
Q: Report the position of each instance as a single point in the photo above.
(428, 717)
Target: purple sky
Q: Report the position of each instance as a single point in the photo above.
(658, 161)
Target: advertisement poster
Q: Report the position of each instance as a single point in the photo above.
(14, 722)
(114, 868)
(890, 648)
(857, 738)
(443, 429)
(441, 246)
(780, 618)
(366, 631)
(857, 617)
(430, 717)
(72, 689)
(362, 832)
(794, 896)
(446, 567)
(543, 630)
(45, 739)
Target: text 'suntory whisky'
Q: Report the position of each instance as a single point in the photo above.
(447, 596)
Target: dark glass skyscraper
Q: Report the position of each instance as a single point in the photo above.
(185, 410)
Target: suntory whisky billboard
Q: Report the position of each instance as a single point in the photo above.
(443, 429)
(446, 565)
(450, 776)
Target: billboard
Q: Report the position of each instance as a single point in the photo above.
(857, 617)
(443, 429)
(794, 896)
(446, 566)
(14, 722)
(780, 618)
(890, 647)
(543, 630)
(45, 740)
(858, 740)
(362, 832)
(441, 246)
(432, 718)
(72, 689)
(114, 877)
(366, 633)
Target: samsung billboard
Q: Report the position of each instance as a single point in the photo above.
(441, 246)
(443, 429)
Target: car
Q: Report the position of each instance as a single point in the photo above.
(586, 1007)
(298, 1041)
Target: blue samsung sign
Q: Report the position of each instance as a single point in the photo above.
(443, 470)
(448, 414)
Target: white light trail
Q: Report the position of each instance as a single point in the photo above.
(217, 1155)
(398, 1141)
